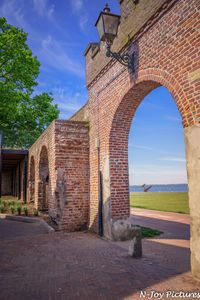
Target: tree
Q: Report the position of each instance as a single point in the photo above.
(22, 116)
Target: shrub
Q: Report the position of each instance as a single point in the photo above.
(12, 209)
(19, 209)
(25, 209)
(12, 203)
(36, 212)
(4, 202)
(2, 208)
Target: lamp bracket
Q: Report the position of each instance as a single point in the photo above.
(125, 59)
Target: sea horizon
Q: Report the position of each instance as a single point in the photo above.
(174, 187)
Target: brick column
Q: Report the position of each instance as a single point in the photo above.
(192, 138)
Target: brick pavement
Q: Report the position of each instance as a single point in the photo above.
(62, 266)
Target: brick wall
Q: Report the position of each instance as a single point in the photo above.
(164, 38)
(133, 17)
(81, 114)
(72, 165)
(47, 139)
(66, 160)
(167, 51)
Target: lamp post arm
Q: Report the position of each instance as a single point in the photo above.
(125, 59)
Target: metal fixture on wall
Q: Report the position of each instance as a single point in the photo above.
(107, 25)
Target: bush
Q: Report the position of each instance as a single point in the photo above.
(25, 209)
(12, 203)
(4, 202)
(2, 208)
(19, 209)
(36, 212)
(12, 209)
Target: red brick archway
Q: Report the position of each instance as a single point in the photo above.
(43, 185)
(163, 36)
(119, 133)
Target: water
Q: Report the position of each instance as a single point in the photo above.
(161, 188)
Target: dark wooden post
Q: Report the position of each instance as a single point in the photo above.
(19, 181)
(25, 178)
(14, 182)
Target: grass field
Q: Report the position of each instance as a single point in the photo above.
(149, 232)
(174, 202)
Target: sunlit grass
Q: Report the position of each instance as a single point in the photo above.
(149, 232)
(168, 201)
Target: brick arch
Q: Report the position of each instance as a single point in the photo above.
(119, 133)
(174, 87)
(32, 179)
(43, 184)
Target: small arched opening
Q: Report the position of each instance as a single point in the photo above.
(43, 190)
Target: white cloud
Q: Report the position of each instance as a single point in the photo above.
(56, 57)
(173, 159)
(138, 176)
(79, 9)
(172, 118)
(16, 14)
(68, 102)
(44, 9)
(152, 105)
(13, 11)
(77, 5)
(140, 147)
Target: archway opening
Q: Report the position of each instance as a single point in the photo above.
(172, 169)
(32, 180)
(157, 168)
(43, 195)
(120, 181)
(157, 155)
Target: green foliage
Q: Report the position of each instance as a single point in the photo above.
(12, 209)
(19, 209)
(172, 202)
(2, 208)
(25, 209)
(149, 232)
(4, 203)
(36, 213)
(11, 203)
(22, 116)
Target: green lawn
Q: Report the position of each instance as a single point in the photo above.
(174, 202)
(149, 232)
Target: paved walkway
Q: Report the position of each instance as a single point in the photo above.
(62, 266)
(173, 225)
(162, 215)
(11, 229)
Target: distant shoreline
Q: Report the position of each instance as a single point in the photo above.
(180, 187)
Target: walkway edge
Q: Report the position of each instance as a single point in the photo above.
(27, 220)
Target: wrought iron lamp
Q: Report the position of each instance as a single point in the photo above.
(107, 25)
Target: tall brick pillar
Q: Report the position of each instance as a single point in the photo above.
(192, 143)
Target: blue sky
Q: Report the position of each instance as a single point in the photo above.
(59, 32)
